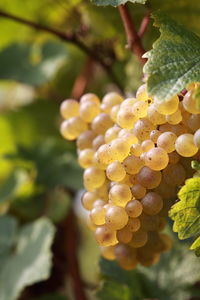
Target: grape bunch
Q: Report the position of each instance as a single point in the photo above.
(136, 153)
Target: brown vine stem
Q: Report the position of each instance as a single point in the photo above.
(133, 39)
(70, 240)
(144, 25)
(66, 37)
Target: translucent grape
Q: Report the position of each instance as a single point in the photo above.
(141, 93)
(96, 162)
(101, 123)
(93, 177)
(98, 141)
(185, 145)
(113, 112)
(174, 118)
(128, 136)
(111, 133)
(136, 150)
(126, 118)
(85, 140)
(120, 194)
(197, 138)
(125, 256)
(167, 141)
(85, 158)
(149, 178)
(97, 215)
(119, 148)
(167, 107)
(134, 208)
(115, 171)
(88, 200)
(105, 236)
(154, 135)
(139, 109)
(138, 191)
(142, 129)
(108, 252)
(89, 97)
(69, 108)
(194, 122)
(116, 217)
(152, 203)
(133, 164)
(124, 235)
(99, 203)
(190, 103)
(105, 154)
(147, 145)
(133, 224)
(111, 99)
(88, 111)
(128, 102)
(73, 127)
(154, 116)
(156, 159)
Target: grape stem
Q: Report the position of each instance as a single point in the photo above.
(133, 38)
(70, 38)
(144, 25)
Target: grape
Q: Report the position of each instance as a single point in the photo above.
(156, 159)
(133, 224)
(124, 235)
(115, 171)
(116, 217)
(88, 199)
(66, 132)
(167, 141)
(149, 178)
(136, 150)
(174, 118)
(97, 215)
(90, 224)
(93, 178)
(173, 157)
(133, 179)
(138, 191)
(165, 192)
(97, 163)
(128, 136)
(152, 203)
(98, 141)
(132, 164)
(88, 111)
(113, 112)
(99, 202)
(194, 122)
(102, 191)
(101, 123)
(142, 129)
(105, 154)
(165, 127)
(141, 93)
(134, 208)
(127, 180)
(128, 102)
(85, 158)
(69, 108)
(105, 236)
(178, 129)
(140, 109)
(111, 133)
(190, 103)
(120, 194)
(167, 107)
(73, 127)
(185, 145)
(147, 145)
(139, 239)
(108, 252)
(85, 140)
(126, 118)
(154, 134)
(125, 256)
(174, 175)
(119, 148)
(89, 97)
(149, 223)
(167, 242)
(197, 138)
(109, 100)
(154, 116)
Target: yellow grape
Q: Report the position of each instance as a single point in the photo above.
(101, 123)
(167, 141)
(120, 194)
(115, 171)
(93, 177)
(126, 118)
(108, 252)
(119, 148)
(89, 97)
(98, 141)
(142, 129)
(133, 224)
(138, 191)
(69, 108)
(149, 178)
(197, 138)
(147, 145)
(134, 208)
(152, 203)
(167, 107)
(97, 215)
(190, 103)
(185, 145)
(154, 116)
(88, 111)
(124, 235)
(132, 164)
(157, 159)
(111, 133)
(136, 150)
(174, 118)
(88, 200)
(193, 122)
(116, 217)
(105, 236)
(85, 158)
(85, 140)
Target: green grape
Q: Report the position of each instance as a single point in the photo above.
(113, 112)
(101, 123)
(174, 174)
(134, 208)
(167, 141)
(116, 217)
(138, 191)
(142, 129)
(111, 133)
(88, 111)
(125, 117)
(132, 164)
(185, 145)
(97, 215)
(119, 148)
(105, 236)
(109, 100)
(197, 138)
(69, 108)
(149, 178)
(174, 118)
(98, 141)
(124, 235)
(152, 203)
(89, 97)
(139, 109)
(85, 158)
(93, 178)
(154, 116)
(120, 194)
(147, 145)
(190, 103)
(167, 107)
(128, 102)
(115, 171)
(85, 140)
(88, 200)
(73, 127)
(128, 136)
(156, 159)
(105, 154)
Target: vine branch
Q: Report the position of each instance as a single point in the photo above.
(66, 37)
(144, 25)
(133, 39)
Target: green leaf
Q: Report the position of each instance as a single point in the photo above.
(196, 246)
(196, 165)
(174, 61)
(196, 96)
(116, 2)
(113, 291)
(186, 212)
(29, 262)
(8, 230)
(34, 66)
(51, 297)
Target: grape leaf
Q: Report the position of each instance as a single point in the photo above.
(112, 290)
(8, 230)
(196, 165)
(196, 246)
(116, 2)
(174, 60)
(29, 261)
